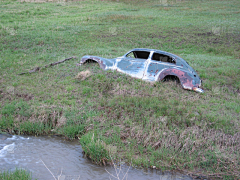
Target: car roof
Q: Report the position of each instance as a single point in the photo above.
(143, 49)
(155, 50)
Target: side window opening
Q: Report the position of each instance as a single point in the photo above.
(163, 58)
(131, 55)
(142, 54)
(139, 54)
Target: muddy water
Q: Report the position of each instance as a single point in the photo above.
(62, 157)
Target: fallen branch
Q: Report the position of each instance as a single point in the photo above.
(52, 64)
(58, 62)
(31, 71)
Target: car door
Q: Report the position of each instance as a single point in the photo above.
(158, 63)
(134, 63)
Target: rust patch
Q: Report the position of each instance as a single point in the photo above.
(184, 78)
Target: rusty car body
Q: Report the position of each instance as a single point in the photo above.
(151, 65)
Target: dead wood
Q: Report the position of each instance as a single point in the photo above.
(52, 64)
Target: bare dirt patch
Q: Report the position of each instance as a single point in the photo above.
(83, 75)
(26, 97)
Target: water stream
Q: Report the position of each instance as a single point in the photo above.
(65, 158)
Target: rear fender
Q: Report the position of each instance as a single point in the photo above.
(94, 58)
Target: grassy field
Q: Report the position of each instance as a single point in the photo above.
(114, 115)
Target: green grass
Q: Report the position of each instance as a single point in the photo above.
(147, 124)
(18, 174)
(95, 149)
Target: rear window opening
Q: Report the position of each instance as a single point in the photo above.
(138, 54)
(163, 58)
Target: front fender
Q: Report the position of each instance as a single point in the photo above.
(185, 80)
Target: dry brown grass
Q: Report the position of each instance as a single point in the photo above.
(83, 75)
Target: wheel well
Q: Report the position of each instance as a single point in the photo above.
(171, 78)
(90, 61)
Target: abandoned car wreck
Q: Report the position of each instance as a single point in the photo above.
(151, 65)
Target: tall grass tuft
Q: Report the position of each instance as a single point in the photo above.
(17, 174)
(95, 149)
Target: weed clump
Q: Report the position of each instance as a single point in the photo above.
(95, 149)
(17, 174)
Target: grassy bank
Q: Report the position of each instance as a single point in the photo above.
(115, 115)
(18, 174)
